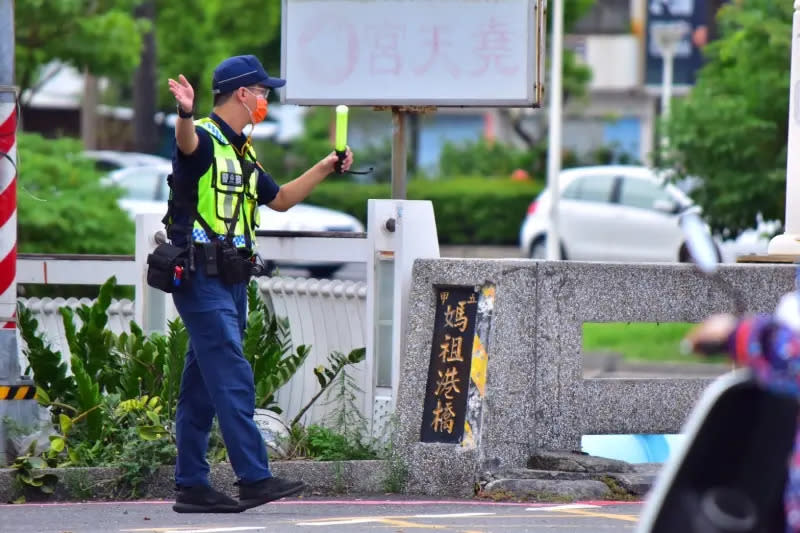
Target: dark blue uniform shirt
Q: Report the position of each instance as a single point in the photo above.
(190, 168)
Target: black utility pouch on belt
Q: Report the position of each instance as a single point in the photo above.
(234, 268)
(167, 268)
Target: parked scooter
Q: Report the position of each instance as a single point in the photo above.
(730, 473)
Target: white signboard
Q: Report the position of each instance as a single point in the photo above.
(413, 52)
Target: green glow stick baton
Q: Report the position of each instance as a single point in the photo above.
(341, 136)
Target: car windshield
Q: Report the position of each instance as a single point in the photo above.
(590, 189)
(143, 185)
(643, 193)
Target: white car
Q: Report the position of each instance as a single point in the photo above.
(610, 213)
(108, 160)
(147, 192)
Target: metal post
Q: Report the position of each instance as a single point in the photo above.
(21, 412)
(398, 154)
(8, 186)
(668, 60)
(787, 243)
(554, 133)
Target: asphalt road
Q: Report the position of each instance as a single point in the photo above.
(345, 514)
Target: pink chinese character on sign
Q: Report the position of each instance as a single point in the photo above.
(385, 55)
(438, 49)
(494, 47)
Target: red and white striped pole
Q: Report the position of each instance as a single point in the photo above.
(9, 357)
(8, 206)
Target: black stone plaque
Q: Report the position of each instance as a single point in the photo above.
(449, 370)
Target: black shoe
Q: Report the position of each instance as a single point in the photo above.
(204, 499)
(267, 490)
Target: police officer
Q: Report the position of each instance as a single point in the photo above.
(217, 185)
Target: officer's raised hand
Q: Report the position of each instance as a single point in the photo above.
(183, 92)
(185, 135)
(330, 161)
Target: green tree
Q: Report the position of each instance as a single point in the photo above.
(193, 36)
(63, 207)
(731, 130)
(101, 35)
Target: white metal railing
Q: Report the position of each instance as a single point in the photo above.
(327, 316)
(71, 269)
(51, 326)
(398, 232)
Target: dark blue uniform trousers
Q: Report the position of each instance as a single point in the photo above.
(217, 379)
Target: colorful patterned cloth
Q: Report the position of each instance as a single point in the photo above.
(199, 235)
(772, 350)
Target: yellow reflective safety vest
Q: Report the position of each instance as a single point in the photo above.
(224, 186)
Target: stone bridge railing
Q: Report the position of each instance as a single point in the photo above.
(535, 396)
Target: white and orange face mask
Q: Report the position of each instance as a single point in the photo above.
(261, 110)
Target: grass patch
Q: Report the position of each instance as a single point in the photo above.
(642, 341)
(617, 492)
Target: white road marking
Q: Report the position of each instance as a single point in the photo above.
(215, 529)
(563, 507)
(208, 530)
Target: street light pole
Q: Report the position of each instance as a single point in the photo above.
(667, 37)
(788, 243)
(554, 130)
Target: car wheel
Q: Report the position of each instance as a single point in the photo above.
(539, 249)
(323, 272)
(685, 257)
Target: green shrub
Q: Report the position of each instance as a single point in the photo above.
(327, 444)
(63, 206)
(491, 159)
(468, 210)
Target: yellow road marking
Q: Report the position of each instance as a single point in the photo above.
(595, 514)
(411, 525)
(404, 521)
(337, 521)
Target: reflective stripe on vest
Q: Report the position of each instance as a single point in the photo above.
(220, 189)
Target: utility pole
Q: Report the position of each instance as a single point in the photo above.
(9, 357)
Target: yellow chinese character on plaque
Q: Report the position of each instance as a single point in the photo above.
(455, 318)
(451, 349)
(443, 417)
(443, 296)
(472, 299)
(448, 383)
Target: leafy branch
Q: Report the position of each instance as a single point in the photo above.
(326, 376)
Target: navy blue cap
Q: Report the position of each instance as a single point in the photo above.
(242, 71)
